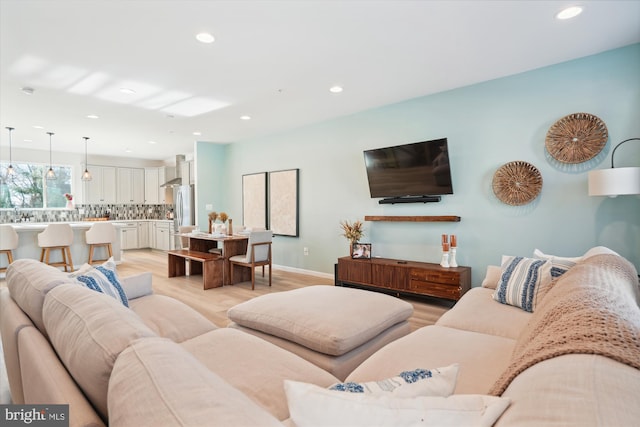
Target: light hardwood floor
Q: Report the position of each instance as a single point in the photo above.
(214, 303)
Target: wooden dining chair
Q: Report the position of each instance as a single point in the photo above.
(258, 255)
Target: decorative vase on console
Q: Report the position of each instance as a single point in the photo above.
(444, 262)
(452, 251)
(353, 232)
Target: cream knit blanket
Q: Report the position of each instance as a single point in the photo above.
(591, 309)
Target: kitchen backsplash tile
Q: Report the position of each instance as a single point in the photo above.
(113, 212)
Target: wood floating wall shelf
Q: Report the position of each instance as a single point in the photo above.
(445, 218)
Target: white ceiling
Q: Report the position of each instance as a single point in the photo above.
(272, 60)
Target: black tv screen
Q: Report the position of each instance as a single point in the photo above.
(417, 169)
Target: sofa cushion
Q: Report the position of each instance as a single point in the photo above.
(29, 281)
(256, 367)
(524, 282)
(104, 279)
(492, 277)
(88, 330)
(327, 319)
(311, 405)
(137, 285)
(170, 318)
(155, 382)
(418, 382)
(477, 311)
(574, 390)
(442, 346)
(339, 366)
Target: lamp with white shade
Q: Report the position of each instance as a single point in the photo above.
(615, 181)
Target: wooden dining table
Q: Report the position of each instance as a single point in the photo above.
(228, 246)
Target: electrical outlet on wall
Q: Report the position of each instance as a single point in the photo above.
(208, 206)
(306, 251)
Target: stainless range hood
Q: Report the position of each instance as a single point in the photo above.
(177, 181)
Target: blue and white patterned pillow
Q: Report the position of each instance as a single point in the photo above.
(524, 281)
(420, 382)
(104, 279)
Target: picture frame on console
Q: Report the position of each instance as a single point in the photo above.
(361, 251)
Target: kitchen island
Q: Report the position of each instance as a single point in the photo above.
(28, 243)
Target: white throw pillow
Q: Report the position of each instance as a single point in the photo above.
(559, 264)
(524, 282)
(311, 405)
(103, 279)
(420, 382)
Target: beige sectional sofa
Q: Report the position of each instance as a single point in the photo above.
(575, 360)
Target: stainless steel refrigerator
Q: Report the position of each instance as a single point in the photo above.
(184, 212)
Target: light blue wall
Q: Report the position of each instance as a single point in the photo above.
(210, 178)
(487, 125)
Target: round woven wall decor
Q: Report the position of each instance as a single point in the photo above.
(576, 138)
(517, 183)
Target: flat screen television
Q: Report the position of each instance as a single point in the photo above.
(409, 172)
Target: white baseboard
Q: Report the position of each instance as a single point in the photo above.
(303, 271)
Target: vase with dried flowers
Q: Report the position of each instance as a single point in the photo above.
(222, 217)
(212, 218)
(353, 232)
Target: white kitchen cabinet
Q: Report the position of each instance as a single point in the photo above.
(151, 185)
(129, 236)
(102, 187)
(130, 185)
(162, 236)
(144, 232)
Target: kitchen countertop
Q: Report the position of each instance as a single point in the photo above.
(39, 226)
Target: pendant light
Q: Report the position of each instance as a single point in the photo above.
(10, 170)
(86, 176)
(50, 173)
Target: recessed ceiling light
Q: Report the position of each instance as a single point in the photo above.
(245, 117)
(27, 90)
(128, 150)
(205, 38)
(197, 133)
(152, 142)
(335, 89)
(92, 116)
(569, 12)
(127, 90)
(38, 127)
(27, 140)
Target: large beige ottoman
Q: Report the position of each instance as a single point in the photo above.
(334, 328)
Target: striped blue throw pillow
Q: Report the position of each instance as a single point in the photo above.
(523, 282)
(104, 279)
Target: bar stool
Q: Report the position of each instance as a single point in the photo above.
(8, 242)
(56, 237)
(101, 234)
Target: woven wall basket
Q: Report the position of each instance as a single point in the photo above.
(576, 138)
(517, 183)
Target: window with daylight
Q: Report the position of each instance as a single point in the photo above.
(27, 187)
